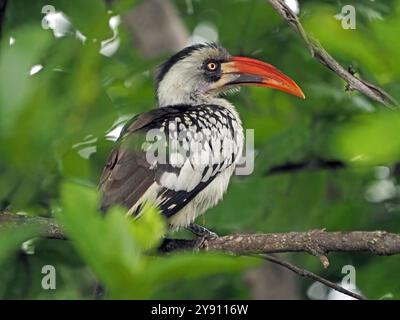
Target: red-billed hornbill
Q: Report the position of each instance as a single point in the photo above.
(195, 119)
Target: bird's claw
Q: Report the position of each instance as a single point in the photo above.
(202, 234)
(201, 231)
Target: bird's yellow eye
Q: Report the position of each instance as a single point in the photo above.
(212, 66)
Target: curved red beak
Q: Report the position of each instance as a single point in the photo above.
(257, 73)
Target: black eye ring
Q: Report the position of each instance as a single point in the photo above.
(212, 66)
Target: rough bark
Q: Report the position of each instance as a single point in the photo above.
(316, 242)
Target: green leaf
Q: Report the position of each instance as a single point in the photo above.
(90, 17)
(149, 227)
(12, 238)
(185, 266)
(15, 64)
(106, 243)
(114, 247)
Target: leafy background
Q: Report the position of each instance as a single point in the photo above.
(53, 127)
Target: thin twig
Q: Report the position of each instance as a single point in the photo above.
(320, 54)
(305, 273)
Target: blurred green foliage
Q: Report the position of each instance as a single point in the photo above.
(53, 147)
(116, 247)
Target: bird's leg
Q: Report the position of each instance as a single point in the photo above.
(99, 291)
(202, 234)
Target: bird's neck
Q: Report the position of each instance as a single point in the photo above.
(182, 97)
(169, 96)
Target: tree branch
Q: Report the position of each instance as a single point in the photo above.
(305, 273)
(50, 228)
(320, 54)
(316, 242)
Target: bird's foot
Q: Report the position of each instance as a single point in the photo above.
(201, 231)
(202, 234)
(99, 291)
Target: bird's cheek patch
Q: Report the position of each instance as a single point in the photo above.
(222, 82)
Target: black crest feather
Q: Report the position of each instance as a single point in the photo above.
(164, 68)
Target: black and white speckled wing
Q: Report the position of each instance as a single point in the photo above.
(194, 144)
